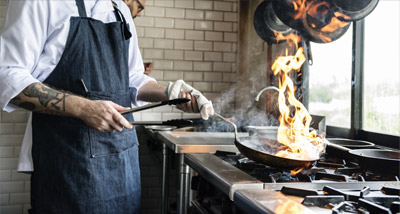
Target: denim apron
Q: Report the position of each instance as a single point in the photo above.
(78, 169)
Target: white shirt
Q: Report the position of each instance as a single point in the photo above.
(32, 41)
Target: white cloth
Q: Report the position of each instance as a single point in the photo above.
(205, 106)
(32, 41)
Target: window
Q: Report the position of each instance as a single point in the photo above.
(381, 86)
(330, 80)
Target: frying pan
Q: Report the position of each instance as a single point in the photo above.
(309, 27)
(267, 23)
(355, 9)
(377, 159)
(315, 24)
(249, 148)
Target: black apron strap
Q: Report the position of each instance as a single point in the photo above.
(81, 8)
(120, 17)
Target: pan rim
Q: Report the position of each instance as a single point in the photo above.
(353, 152)
(284, 158)
(360, 146)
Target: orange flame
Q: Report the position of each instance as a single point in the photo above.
(294, 130)
(292, 38)
(335, 23)
(296, 171)
(299, 7)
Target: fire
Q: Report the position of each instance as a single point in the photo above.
(299, 7)
(335, 23)
(321, 11)
(294, 130)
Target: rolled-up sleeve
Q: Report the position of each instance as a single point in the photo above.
(21, 42)
(137, 78)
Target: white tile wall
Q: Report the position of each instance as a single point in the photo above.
(194, 40)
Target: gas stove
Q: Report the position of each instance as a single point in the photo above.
(332, 185)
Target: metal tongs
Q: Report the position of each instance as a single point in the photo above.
(176, 122)
(157, 104)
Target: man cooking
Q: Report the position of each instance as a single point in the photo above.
(76, 65)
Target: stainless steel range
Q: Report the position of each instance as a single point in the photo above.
(231, 183)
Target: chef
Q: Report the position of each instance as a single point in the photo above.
(76, 64)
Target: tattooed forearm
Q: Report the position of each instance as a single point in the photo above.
(41, 98)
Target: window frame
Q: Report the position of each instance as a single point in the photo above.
(357, 79)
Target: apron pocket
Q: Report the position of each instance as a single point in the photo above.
(105, 143)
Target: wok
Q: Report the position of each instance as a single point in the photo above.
(250, 149)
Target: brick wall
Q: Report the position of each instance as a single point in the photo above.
(193, 40)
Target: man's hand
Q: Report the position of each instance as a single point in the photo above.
(192, 106)
(175, 89)
(99, 115)
(104, 116)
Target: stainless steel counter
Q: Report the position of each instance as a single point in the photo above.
(222, 174)
(199, 142)
(269, 201)
(181, 143)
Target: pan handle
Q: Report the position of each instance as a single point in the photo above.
(230, 122)
(338, 147)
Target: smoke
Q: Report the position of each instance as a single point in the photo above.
(246, 111)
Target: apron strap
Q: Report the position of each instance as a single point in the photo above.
(81, 8)
(120, 17)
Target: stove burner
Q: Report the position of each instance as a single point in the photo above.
(373, 207)
(328, 170)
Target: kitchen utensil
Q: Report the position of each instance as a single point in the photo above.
(253, 148)
(378, 159)
(267, 24)
(157, 104)
(318, 18)
(355, 9)
(176, 122)
(310, 27)
(351, 144)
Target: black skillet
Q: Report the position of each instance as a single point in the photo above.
(267, 24)
(355, 9)
(377, 159)
(311, 27)
(249, 148)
